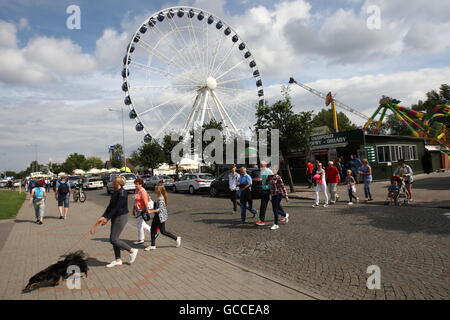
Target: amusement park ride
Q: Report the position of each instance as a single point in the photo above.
(432, 126)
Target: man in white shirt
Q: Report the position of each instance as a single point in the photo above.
(233, 177)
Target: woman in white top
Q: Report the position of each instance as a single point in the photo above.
(321, 185)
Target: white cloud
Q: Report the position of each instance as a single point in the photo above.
(8, 32)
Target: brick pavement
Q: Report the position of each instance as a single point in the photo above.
(166, 273)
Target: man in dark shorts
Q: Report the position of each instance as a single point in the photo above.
(62, 195)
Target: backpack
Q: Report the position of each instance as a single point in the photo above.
(38, 193)
(63, 189)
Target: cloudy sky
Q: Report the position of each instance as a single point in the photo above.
(56, 84)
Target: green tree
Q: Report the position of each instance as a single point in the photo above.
(150, 155)
(434, 98)
(167, 146)
(94, 162)
(294, 129)
(325, 118)
(34, 167)
(74, 161)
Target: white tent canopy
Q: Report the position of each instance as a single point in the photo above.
(79, 171)
(114, 170)
(94, 171)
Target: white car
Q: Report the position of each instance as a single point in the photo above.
(129, 182)
(193, 182)
(93, 183)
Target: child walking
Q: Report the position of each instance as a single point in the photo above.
(351, 187)
(321, 185)
(160, 218)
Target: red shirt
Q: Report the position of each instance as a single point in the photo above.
(332, 175)
(310, 167)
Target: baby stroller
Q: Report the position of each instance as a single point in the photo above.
(397, 192)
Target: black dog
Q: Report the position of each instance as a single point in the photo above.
(58, 271)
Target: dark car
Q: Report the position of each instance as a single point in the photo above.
(220, 184)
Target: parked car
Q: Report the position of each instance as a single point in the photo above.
(73, 180)
(155, 180)
(220, 184)
(145, 177)
(193, 182)
(93, 183)
(129, 182)
(3, 183)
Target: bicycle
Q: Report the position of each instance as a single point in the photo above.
(79, 194)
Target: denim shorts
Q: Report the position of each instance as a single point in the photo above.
(63, 201)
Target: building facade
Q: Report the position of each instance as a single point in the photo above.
(382, 151)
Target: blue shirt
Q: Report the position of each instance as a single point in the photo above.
(365, 169)
(59, 183)
(245, 179)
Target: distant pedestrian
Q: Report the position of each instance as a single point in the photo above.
(265, 192)
(406, 173)
(141, 200)
(31, 185)
(245, 189)
(233, 178)
(47, 185)
(37, 198)
(321, 186)
(309, 173)
(340, 165)
(160, 218)
(62, 195)
(278, 192)
(350, 182)
(355, 164)
(365, 172)
(117, 212)
(333, 179)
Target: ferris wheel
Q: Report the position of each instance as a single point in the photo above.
(184, 67)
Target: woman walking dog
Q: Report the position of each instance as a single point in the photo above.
(117, 212)
(160, 218)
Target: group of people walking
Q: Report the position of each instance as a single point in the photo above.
(117, 212)
(272, 190)
(38, 196)
(331, 176)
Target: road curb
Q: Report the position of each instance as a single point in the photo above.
(259, 274)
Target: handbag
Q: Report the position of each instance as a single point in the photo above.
(144, 214)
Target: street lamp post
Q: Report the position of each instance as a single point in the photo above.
(123, 135)
(35, 156)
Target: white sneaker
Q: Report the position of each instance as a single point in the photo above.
(337, 197)
(287, 218)
(350, 203)
(139, 242)
(133, 255)
(274, 227)
(113, 264)
(150, 248)
(332, 202)
(178, 242)
(325, 205)
(315, 205)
